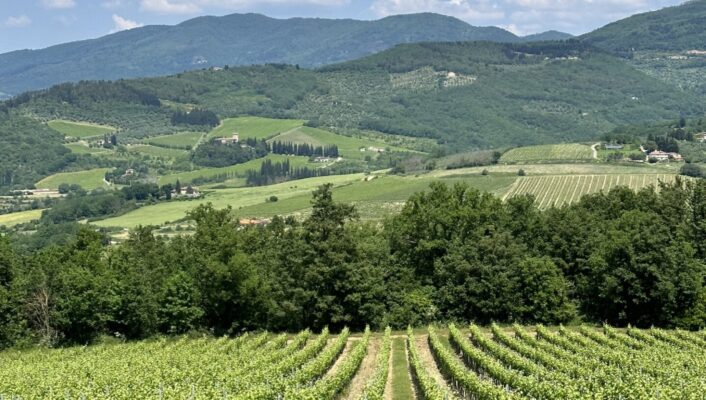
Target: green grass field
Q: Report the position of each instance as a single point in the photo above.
(254, 127)
(79, 129)
(181, 140)
(79, 148)
(548, 153)
(156, 151)
(19, 217)
(348, 147)
(558, 190)
(374, 199)
(89, 179)
(233, 171)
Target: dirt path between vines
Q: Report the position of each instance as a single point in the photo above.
(422, 343)
(366, 370)
(341, 357)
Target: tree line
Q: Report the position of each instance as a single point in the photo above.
(451, 254)
(303, 149)
(270, 173)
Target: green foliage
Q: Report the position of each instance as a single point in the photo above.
(671, 28)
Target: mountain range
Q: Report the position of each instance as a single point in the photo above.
(236, 40)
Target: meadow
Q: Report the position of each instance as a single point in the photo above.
(19, 217)
(185, 140)
(80, 129)
(254, 127)
(548, 153)
(558, 190)
(375, 198)
(156, 151)
(89, 179)
(446, 363)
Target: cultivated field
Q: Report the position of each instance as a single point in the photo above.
(19, 217)
(254, 127)
(548, 153)
(89, 179)
(179, 140)
(79, 129)
(445, 363)
(558, 190)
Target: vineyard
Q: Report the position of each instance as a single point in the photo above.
(558, 190)
(548, 153)
(435, 363)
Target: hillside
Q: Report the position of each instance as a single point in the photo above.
(672, 28)
(238, 39)
(472, 95)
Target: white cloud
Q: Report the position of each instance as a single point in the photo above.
(480, 11)
(59, 3)
(115, 4)
(17, 22)
(170, 6)
(123, 24)
(66, 20)
(196, 6)
(526, 16)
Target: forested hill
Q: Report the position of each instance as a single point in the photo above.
(673, 28)
(238, 39)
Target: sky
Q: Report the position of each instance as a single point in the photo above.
(33, 24)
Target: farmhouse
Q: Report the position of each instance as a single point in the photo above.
(609, 146)
(701, 137)
(227, 140)
(696, 52)
(190, 192)
(322, 159)
(253, 221)
(664, 156)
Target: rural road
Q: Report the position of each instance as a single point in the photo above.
(595, 152)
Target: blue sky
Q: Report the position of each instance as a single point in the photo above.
(41, 23)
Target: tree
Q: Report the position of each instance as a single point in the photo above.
(179, 307)
(543, 294)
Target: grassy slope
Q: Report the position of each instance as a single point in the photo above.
(237, 170)
(374, 199)
(349, 147)
(79, 129)
(79, 148)
(156, 151)
(254, 127)
(89, 179)
(182, 140)
(19, 217)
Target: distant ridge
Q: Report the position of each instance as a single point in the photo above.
(681, 27)
(237, 39)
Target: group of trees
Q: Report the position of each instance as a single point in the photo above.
(196, 116)
(303, 149)
(453, 253)
(214, 154)
(270, 173)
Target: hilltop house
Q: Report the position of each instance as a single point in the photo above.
(227, 140)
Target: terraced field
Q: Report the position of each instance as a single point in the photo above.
(446, 364)
(557, 190)
(548, 153)
(80, 129)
